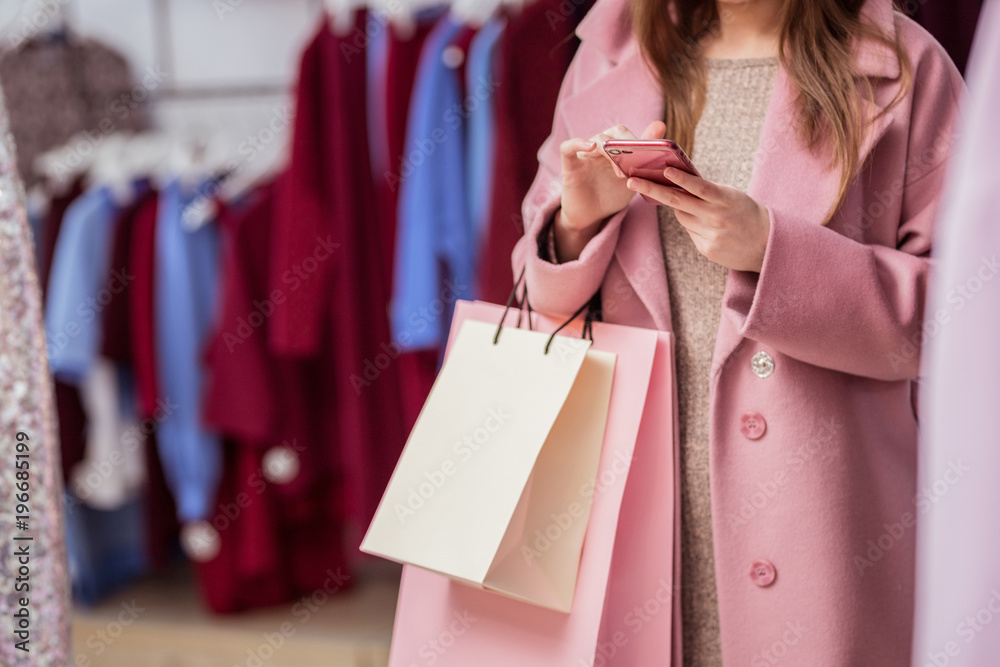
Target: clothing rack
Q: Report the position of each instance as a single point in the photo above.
(165, 54)
(189, 93)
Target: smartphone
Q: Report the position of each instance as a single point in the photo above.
(647, 158)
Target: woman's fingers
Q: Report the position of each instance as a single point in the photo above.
(576, 151)
(571, 151)
(600, 139)
(668, 196)
(655, 130)
(696, 185)
(619, 132)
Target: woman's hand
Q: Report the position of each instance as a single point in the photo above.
(726, 225)
(593, 188)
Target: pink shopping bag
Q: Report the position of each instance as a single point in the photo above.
(624, 605)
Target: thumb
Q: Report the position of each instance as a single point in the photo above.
(654, 130)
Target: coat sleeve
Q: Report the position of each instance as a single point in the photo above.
(559, 289)
(842, 304)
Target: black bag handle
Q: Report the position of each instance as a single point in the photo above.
(592, 308)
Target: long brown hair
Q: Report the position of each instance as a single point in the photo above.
(816, 51)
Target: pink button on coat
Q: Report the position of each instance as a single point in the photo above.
(827, 495)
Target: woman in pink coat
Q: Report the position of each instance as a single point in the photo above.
(793, 276)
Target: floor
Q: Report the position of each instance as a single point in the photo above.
(160, 622)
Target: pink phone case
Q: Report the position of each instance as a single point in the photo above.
(647, 158)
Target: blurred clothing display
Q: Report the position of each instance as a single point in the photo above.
(142, 303)
(83, 284)
(327, 266)
(106, 547)
(418, 368)
(952, 23)
(58, 204)
(58, 86)
(185, 287)
(278, 526)
(480, 78)
(80, 269)
(29, 446)
(435, 248)
(230, 350)
(534, 53)
(958, 545)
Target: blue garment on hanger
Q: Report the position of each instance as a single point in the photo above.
(435, 243)
(80, 284)
(106, 549)
(186, 272)
(481, 81)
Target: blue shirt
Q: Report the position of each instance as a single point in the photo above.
(105, 549)
(435, 244)
(81, 284)
(186, 278)
(481, 81)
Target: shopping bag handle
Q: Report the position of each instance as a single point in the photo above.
(592, 308)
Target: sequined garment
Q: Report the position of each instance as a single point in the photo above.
(26, 406)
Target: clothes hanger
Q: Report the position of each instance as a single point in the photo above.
(60, 31)
(341, 14)
(61, 165)
(248, 176)
(111, 169)
(475, 13)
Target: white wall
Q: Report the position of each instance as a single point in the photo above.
(216, 65)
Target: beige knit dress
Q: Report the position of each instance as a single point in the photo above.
(725, 142)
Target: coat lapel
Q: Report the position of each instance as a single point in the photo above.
(624, 91)
(778, 183)
(781, 159)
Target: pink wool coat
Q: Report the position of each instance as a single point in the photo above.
(813, 466)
